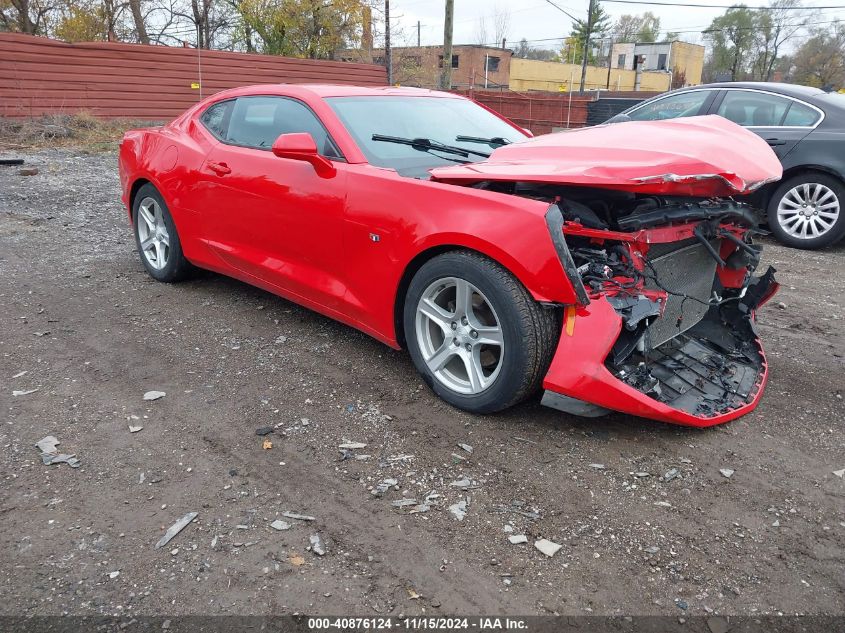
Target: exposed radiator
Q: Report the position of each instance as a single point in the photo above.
(689, 270)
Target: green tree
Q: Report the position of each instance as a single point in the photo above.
(820, 61)
(644, 27)
(732, 39)
(573, 49)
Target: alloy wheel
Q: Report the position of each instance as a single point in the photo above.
(808, 210)
(459, 335)
(152, 233)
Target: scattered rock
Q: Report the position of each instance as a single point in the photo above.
(681, 604)
(114, 574)
(598, 466)
(17, 393)
(466, 447)
(278, 524)
(549, 548)
(174, 529)
(516, 539)
(464, 482)
(727, 472)
(317, 545)
(384, 485)
(672, 473)
(28, 171)
(135, 429)
(298, 517)
(264, 430)
(459, 510)
(154, 395)
(840, 473)
(401, 503)
(50, 454)
(351, 446)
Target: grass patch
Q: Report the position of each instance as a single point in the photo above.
(80, 130)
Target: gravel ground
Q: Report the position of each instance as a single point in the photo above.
(93, 333)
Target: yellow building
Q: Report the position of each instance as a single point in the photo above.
(530, 74)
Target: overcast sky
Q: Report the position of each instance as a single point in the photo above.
(537, 20)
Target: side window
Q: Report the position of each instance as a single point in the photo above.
(745, 107)
(800, 115)
(682, 104)
(216, 118)
(258, 122)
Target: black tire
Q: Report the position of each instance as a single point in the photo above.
(529, 330)
(177, 267)
(832, 235)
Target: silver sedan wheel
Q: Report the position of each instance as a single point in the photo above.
(808, 210)
(152, 233)
(459, 335)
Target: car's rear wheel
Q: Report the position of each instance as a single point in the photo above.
(475, 334)
(808, 211)
(156, 237)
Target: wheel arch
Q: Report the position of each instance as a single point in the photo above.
(797, 170)
(133, 191)
(429, 253)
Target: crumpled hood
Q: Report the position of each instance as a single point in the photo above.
(695, 156)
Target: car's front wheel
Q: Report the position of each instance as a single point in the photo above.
(808, 211)
(475, 334)
(156, 237)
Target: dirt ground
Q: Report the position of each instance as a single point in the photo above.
(93, 333)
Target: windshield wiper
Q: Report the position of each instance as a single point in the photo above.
(495, 141)
(426, 144)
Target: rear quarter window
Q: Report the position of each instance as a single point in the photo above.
(800, 115)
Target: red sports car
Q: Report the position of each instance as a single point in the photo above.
(609, 266)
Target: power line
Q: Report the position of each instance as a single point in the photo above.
(724, 6)
(564, 11)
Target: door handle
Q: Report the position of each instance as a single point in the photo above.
(221, 169)
(775, 141)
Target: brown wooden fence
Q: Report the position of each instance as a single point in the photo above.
(540, 112)
(43, 76)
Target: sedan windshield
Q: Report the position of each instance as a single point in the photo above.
(456, 123)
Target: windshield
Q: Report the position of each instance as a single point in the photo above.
(438, 119)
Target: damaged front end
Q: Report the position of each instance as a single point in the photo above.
(665, 322)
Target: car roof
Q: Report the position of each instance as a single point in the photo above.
(792, 90)
(336, 90)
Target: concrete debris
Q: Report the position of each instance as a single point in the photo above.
(401, 503)
(384, 485)
(135, 429)
(174, 529)
(466, 447)
(17, 393)
(776, 523)
(48, 444)
(278, 524)
(154, 395)
(840, 473)
(549, 548)
(317, 545)
(464, 482)
(28, 171)
(642, 474)
(727, 472)
(50, 454)
(516, 539)
(351, 446)
(671, 474)
(458, 458)
(114, 574)
(422, 507)
(653, 549)
(298, 517)
(663, 504)
(458, 510)
(598, 466)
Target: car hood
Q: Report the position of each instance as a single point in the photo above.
(696, 156)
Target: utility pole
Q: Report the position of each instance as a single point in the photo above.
(586, 50)
(446, 75)
(418, 33)
(388, 55)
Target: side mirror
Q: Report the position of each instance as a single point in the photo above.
(619, 118)
(301, 146)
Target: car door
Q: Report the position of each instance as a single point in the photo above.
(275, 219)
(781, 121)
